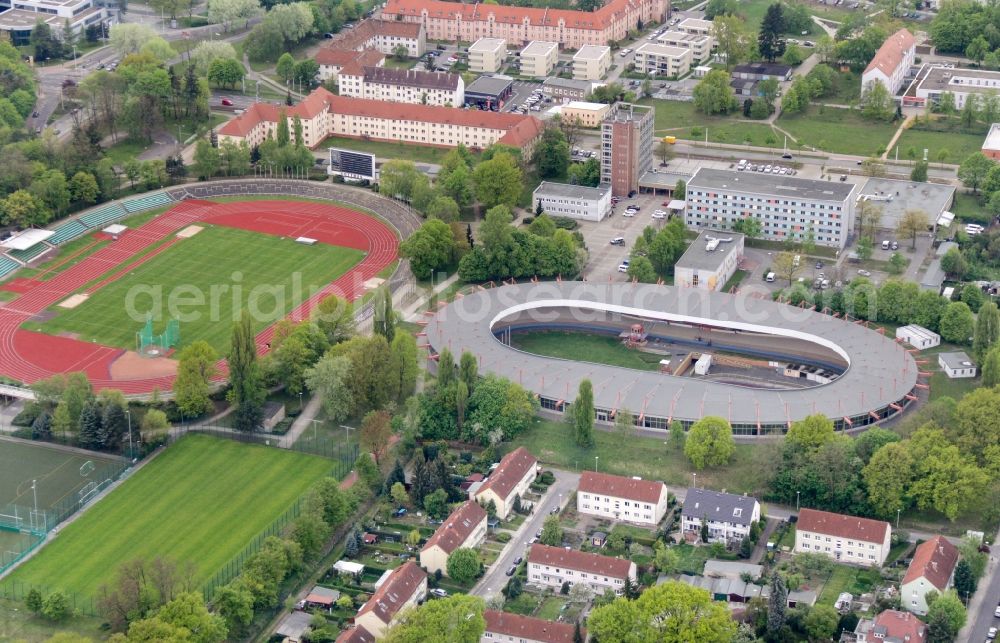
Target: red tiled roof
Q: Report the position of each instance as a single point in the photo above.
(356, 635)
(340, 57)
(457, 527)
(537, 16)
(313, 104)
(621, 487)
(366, 30)
(527, 627)
(842, 526)
(579, 561)
(902, 626)
(934, 560)
(517, 463)
(394, 592)
(892, 52)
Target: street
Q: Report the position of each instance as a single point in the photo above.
(980, 618)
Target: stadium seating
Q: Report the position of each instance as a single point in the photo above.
(67, 232)
(7, 266)
(102, 216)
(29, 254)
(147, 202)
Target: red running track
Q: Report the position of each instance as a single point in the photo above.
(30, 356)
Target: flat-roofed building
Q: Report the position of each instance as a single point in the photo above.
(405, 587)
(553, 566)
(710, 261)
(695, 26)
(567, 88)
(591, 62)
(918, 337)
(662, 60)
(489, 92)
(843, 538)
(21, 16)
(402, 85)
(891, 63)
(512, 478)
(464, 528)
(762, 71)
(700, 45)
(487, 55)
(787, 207)
(604, 495)
(574, 201)
(583, 113)
(539, 58)
(505, 627)
(626, 147)
(960, 83)
(956, 364)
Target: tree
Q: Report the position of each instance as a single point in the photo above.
(583, 415)
(225, 72)
(719, 8)
(732, 38)
(770, 44)
(457, 618)
(680, 189)
(83, 188)
(876, 103)
(399, 496)
(912, 223)
(498, 181)
(385, 317)
(330, 379)
(23, 210)
(794, 55)
(672, 612)
(811, 432)
(957, 323)
(919, 172)
(750, 227)
(375, 433)
(709, 442)
(786, 267)
(821, 622)
(977, 49)
(33, 601)
(987, 328)
(777, 603)
(973, 296)
(206, 159)
(990, 367)
(226, 12)
(368, 472)
(945, 617)
(56, 607)
(641, 269)
(234, 603)
(873, 166)
(953, 263)
(714, 95)
(973, 170)
(552, 534)
(129, 37)
(195, 369)
(468, 370)
(500, 405)
(436, 503)
(404, 356)
(552, 154)
(444, 208)
(964, 581)
(464, 565)
(246, 391)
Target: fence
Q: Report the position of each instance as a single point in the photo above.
(17, 591)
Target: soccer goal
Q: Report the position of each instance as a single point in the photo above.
(88, 491)
(86, 468)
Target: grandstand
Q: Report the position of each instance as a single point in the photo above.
(7, 266)
(147, 202)
(102, 216)
(67, 232)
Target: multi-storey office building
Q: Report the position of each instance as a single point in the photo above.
(626, 147)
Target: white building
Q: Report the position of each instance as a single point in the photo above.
(787, 207)
(507, 627)
(662, 60)
(583, 113)
(918, 337)
(402, 85)
(21, 16)
(933, 82)
(384, 36)
(956, 365)
(331, 60)
(891, 63)
(539, 58)
(465, 528)
(591, 62)
(710, 261)
(406, 587)
(700, 45)
(487, 55)
(642, 502)
(930, 570)
(553, 566)
(574, 201)
(511, 479)
(696, 26)
(846, 539)
(727, 515)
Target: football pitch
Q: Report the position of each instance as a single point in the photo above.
(204, 281)
(200, 501)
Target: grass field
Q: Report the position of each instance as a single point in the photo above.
(19, 624)
(193, 270)
(202, 500)
(959, 145)
(385, 150)
(680, 120)
(598, 349)
(854, 580)
(836, 130)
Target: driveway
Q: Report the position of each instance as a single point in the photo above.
(557, 496)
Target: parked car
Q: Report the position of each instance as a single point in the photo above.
(510, 572)
(399, 512)
(227, 102)
(864, 273)
(819, 264)
(659, 214)
(518, 560)
(618, 241)
(629, 213)
(895, 245)
(623, 267)
(440, 593)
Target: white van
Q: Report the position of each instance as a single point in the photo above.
(742, 165)
(770, 277)
(885, 245)
(796, 260)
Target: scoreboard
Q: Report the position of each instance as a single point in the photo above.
(352, 165)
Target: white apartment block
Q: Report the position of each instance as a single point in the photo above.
(539, 58)
(21, 16)
(892, 62)
(574, 201)
(487, 55)
(787, 207)
(553, 566)
(933, 82)
(506, 627)
(402, 85)
(464, 528)
(643, 502)
(406, 587)
(727, 515)
(700, 45)
(591, 62)
(584, 114)
(847, 539)
(696, 26)
(662, 60)
(512, 478)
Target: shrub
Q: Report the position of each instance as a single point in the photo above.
(504, 537)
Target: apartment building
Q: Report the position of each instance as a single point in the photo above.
(626, 147)
(584, 114)
(891, 626)
(539, 58)
(506, 627)
(727, 515)
(512, 478)
(568, 89)
(892, 62)
(323, 115)
(787, 207)
(405, 587)
(847, 539)
(591, 62)
(487, 55)
(464, 528)
(695, 26)
(331, 61)
(574, 201)
(21, 16)
(700, 45)
(383, 36)
(643, 502)
(402, 85)
(662, 60)
(572, 29)
(931, 570)
(553, 566)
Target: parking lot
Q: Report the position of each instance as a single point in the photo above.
(604, 257)
(527, 98)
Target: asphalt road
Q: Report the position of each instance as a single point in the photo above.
(984, 601)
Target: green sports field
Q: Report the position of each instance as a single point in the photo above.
(202, 500)
(194, 282)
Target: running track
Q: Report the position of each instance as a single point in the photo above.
(28, 356)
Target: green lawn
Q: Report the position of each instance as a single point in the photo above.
(19, 624)
(649, 458)
(125, 150)
(681, 120)
(201, 501)
(599, 349)
(753, 12)
(836, 130)
(387, 150)
(959, 144)
(855, 580)
(195, 270)
(692, 559)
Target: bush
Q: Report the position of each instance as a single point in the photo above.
(504, 537)
(55, 607)
(565, 223)
(547, 478)
(27, 415)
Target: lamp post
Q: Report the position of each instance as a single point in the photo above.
(797, 500)
(694, 476)
(595, 462)
(128, 416)
(897, 518)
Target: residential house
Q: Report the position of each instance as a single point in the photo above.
(553, 566)
(511, 479)
(931, 569)
(406, 587)
(844, 538)
(662, 60)
(728, 516)
(332, 61)
(384, 36)
(402, 85)
(504, 627)
(891, 626)
(626, 499)
(487, 55)
(892, 62)
(591, 62)
(465, 527)
(700, 45)
(539, 58)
